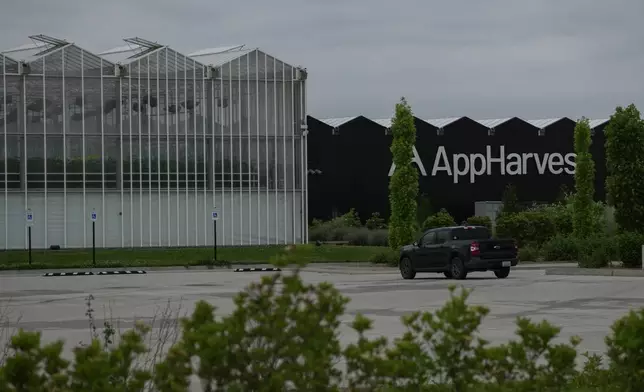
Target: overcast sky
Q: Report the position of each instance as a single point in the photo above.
(483, 59)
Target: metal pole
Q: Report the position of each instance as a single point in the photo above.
(29, 241)
(215, 239)
(94, 244)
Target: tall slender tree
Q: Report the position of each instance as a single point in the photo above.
(625, 165)
(403, 185)
(582, 219)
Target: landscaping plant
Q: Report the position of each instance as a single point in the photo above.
(625, 167)
(584, 182)
(403, 185)
(440, 219)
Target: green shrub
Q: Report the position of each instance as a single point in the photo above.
(561, 248)
(316, 223)
(354, 235)
(480, 221)
(593, 255)
(350, 219)
(526, 227)
(336, 229)
(318, 233)
(440, 219)
(375, 222)
(387, 256)
(284, 334)
(630, 249)
(561, 216)
(379, 237)
(528, 253)
(357, 236)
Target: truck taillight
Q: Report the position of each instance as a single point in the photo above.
(475, 249)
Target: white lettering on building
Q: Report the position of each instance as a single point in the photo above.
(513, 164)
(415, 159)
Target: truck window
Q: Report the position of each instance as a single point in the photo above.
(442, 236)
(475, 233)
(428, 239)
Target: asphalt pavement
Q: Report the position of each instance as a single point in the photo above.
(582, 305)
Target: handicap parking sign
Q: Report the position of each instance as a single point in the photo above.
(215, 215)
(29, 217)
(93, 216)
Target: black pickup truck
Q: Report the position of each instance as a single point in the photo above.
(455, 251)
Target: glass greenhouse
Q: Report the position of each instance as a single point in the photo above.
(152, 141)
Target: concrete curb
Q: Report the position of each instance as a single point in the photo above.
(122, 272)
(84, 273)
(272, 269)
(626, 273)
(543, 266)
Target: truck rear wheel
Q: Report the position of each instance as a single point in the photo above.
(457, 269)
(502, 273)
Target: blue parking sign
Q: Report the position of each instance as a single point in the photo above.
(215, 215)
(93, 216)
(29, 217)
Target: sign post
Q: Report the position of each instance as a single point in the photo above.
(29, 218)
(215, 218)
(93, 217)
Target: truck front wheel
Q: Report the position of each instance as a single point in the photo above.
(407, 269)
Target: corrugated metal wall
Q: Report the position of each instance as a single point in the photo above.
(537, 156)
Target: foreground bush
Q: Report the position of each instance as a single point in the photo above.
(283, 334)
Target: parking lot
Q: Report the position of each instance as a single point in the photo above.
(584, 306)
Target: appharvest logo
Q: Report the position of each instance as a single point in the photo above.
(513, 164)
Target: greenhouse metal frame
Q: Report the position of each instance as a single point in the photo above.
(152, 141)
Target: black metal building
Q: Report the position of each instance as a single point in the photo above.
(460, 161)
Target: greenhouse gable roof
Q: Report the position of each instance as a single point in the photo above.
(493, 123)
(338, 122)
(139, 49)
(544, 123)
(44, 46)
(598, 122)
(385, 122)
(135, 49)
(216, 57)
(443, 122)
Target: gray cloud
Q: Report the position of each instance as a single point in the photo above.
(484, 59)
